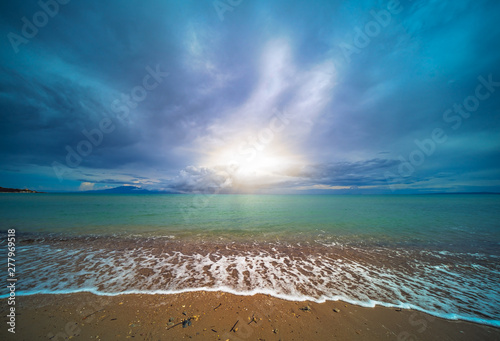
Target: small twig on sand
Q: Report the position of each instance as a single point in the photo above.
(234, 326)
(175, 325)
(217, 306)
(92, 314)
(253, 319)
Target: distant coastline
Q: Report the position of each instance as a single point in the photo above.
(130, 189)
(17, 190)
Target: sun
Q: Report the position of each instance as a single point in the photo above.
(255, 166)
(264, 163)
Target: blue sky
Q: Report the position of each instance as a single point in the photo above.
(251, 96)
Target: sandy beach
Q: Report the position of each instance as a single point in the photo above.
(250, 170)
(222, 316)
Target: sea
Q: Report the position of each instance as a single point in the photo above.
(438, 253)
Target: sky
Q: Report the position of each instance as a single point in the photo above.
(240, 96)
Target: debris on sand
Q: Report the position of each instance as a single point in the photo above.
(253, 319)
(234, 326)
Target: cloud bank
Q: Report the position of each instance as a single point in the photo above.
(277, 97)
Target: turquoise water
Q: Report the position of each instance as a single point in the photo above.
(454, 219)
(435, 253)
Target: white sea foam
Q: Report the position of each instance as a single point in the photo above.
(453, 288)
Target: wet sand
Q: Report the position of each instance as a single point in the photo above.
(222, 316)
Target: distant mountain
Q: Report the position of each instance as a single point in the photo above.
(16, 190)
(127, 190)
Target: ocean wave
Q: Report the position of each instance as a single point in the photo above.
(443, 284)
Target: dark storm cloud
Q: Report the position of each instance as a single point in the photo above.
(362, 173)
(386, 93)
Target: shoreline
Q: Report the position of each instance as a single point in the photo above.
(227, 291)
(363, 276)
(216, 315)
